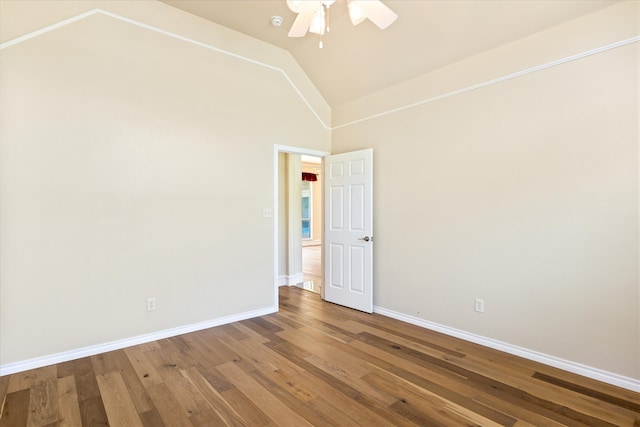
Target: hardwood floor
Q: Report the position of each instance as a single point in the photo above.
(312, 268)
(313, 363)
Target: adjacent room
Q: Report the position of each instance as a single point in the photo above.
(457, 183)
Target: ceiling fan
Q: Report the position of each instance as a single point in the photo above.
(313, 16)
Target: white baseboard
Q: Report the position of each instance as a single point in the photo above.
(576, 368)
(38, 362)
(284, 280)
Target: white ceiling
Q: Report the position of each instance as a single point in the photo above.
(427, 35)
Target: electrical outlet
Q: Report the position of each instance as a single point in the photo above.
(151, 304)
(266, 213)
(479, 305)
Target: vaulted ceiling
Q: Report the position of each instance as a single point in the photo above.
(428, 34)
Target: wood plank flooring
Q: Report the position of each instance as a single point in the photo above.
(312, 268)
(313, 363)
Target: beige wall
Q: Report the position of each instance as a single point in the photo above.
(135, 165)
(523, 193)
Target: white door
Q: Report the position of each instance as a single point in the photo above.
(349, 229)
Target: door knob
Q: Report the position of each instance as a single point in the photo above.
(365, 238)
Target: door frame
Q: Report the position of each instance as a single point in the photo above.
(277, 149)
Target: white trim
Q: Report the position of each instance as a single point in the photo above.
(297, 278)
(567, 365)
(38, 362)
(297, 150)
(494, 81)
(521, 73)
(71, 20)
(284, 280)
(277, 149)
(45, 30)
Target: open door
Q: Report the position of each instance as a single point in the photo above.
(349, 229)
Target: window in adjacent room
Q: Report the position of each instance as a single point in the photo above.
(306, 210)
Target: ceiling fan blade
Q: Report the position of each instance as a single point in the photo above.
(303, 20)
(377, 12)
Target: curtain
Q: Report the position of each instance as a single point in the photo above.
(308, 176)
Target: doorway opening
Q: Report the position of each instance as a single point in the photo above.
(295, 230)
(311, 223)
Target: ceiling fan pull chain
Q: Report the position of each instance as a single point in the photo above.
(326, 24)
(326, 6)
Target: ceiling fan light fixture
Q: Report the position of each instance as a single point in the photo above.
(294, 5)
(318, 23)
(313, 15)
(356, 13)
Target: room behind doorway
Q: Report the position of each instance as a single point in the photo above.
(311, 223)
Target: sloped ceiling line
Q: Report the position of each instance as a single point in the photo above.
(494, 81)
(92, 12)
(517, 74)
(47, 29)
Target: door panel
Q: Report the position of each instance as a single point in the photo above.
(337, 261)
(357, 270)
(357, 207)
(335, 202)
(349, 229)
